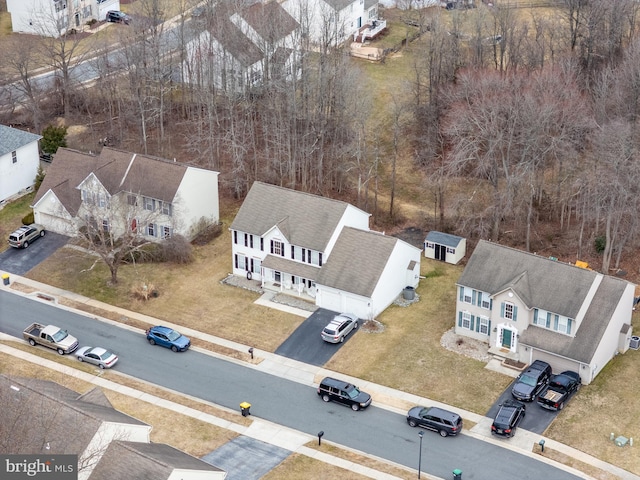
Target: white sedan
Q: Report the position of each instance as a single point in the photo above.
(98, 356)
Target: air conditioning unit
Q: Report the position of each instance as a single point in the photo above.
(634, 343)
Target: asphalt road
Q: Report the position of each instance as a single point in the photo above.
(21, 260)
(375, 430)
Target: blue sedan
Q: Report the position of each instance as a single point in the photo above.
(168, 337)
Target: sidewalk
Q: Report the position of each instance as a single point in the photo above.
(292, 440)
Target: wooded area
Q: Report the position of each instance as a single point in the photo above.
(514, 117)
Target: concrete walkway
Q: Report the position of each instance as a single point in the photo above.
(292, 440)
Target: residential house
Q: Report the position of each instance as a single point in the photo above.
(53, 18)
(49, 419)
(444, 246)
(527, 307)
(242, 49)
(287, 239)
(19, 161)
(120, 190)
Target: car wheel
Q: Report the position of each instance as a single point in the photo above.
(325, 398)
(174, 348)
(355, 326)
(60, 351)
(32, 342)
(341, 339)
(42, 233)
(25, 245)
(80, 358)
(101, 366)
(561, 406)
(412, 422)
(443, 433)
(152, 341)
(355, 407)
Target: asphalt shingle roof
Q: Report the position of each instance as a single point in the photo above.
(269, 20)
(306, 220)
(445, 239)
(12, 139)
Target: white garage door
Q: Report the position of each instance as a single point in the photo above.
(558, 364)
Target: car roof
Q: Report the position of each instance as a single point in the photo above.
(539, 365)
(335, 382)
(443, 413)
(97, 350)
(161, 329)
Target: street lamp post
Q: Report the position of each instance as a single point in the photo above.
(420, 434)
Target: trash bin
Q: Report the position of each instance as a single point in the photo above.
(457, 474)
(409, 293)
(244, 408)
(5, 278)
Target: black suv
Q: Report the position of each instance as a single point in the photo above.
(343, 392)
(530, 382)
(436, 419)
(509, 416)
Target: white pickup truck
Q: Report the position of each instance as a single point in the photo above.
(50, 336)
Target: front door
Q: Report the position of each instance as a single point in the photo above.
(441, 252)
(506, 338)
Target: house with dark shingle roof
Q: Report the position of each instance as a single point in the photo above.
(527, 307)
(445, 247)
(121, 190)
(19, 161)
(47, 418)
(305, 244)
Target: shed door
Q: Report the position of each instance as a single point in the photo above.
(441, 252)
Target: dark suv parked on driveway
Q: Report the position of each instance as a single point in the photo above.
(530, 382)
(508, 418)
(343, 392)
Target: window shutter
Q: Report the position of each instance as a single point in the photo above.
(246, 239)
(304, 251)
(461, 293)
(472, 322)
(251, 241)
(474, 295)
(515, 313)
(282, 249)
(535, 316)
(261, 244)
(548, 320)
(459, 319)
(251, 263)
(320, 259)
(235, 258)
(491, 304)
(502, 310)
(489, 327)
(235, 237)
(271, 246)
(569, 325)
(293, 252)
(555, 322)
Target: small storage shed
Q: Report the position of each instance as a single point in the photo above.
(445, 247)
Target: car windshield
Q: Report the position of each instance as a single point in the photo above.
(105, 355)
(353, 393)
(60, 335)
(173, 335)
(528, 380)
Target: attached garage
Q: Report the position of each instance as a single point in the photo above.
(558, 364)
(340, 301)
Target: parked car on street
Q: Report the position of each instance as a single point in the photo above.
(509, 416)
(342, 392)
(338, 328)
(168, 337)
(530, 382)
(436, 419)
(116, 16)
(25, 235)
(559, 390)
(97, 355)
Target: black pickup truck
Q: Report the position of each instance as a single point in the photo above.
(559, 389)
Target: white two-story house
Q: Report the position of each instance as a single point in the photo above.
(527, 307)
(301, 243)
(19, 161)
(118, 190)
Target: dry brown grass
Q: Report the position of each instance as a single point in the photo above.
(297, 466)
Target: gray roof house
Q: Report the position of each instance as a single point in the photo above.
(47, 418)
(19, 161)
(445, 247)
(527, 307)
(121, 190)
(304, 244)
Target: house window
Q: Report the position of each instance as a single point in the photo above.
(466, 295)
(105, 225)
(466, 320)
(483, 325)
(429, 245)
(14, 157)
(451, 250)
(485, 301)
(166, 208)
(149, 204)
(241, 262)
(132, 200)
(277, 247)
(509, 311)
(255, 265)
(166, 232)
(88, 197)
(102, 200)
(151, 230)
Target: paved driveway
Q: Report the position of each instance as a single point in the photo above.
(306, 345)
(20, 261)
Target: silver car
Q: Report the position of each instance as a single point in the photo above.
(339, 327)
(98, 356)
(25, 235)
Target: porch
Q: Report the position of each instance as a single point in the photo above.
(370, 31)
(507, 358)
(291, 295)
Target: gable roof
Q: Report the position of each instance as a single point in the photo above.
(231, 38)
(12, 139)
(339, 5)
(306, 220)
(445, 239)
(269, 20)
(537, 280)
(117, 170)
(152, 461)
(357, 261)
(582, 346)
